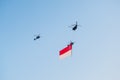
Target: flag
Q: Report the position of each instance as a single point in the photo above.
(67, 51)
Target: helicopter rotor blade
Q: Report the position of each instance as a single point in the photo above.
(76, 22)
(37, 35)
(72, 25)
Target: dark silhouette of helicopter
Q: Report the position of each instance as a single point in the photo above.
(75, 26)
(71, 43)
(37, 37)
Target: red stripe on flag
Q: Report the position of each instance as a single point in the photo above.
(66, 49)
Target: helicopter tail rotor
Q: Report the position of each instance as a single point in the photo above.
(76, 23)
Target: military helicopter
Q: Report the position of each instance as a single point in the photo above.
(71, 43)
(37, 37)
(74, 26)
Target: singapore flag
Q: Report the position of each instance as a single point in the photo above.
(67, 51)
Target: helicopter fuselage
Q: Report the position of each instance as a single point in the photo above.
(75, 27)
(37, 37)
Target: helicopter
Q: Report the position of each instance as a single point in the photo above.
(37, 37)
(71, 43)
(75, 26)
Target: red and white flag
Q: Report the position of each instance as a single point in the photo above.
(67, 51)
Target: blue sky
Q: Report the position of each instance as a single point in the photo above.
(96, 52)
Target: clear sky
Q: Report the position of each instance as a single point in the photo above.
(96, 52)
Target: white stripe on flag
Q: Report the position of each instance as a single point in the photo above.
(65, 54)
